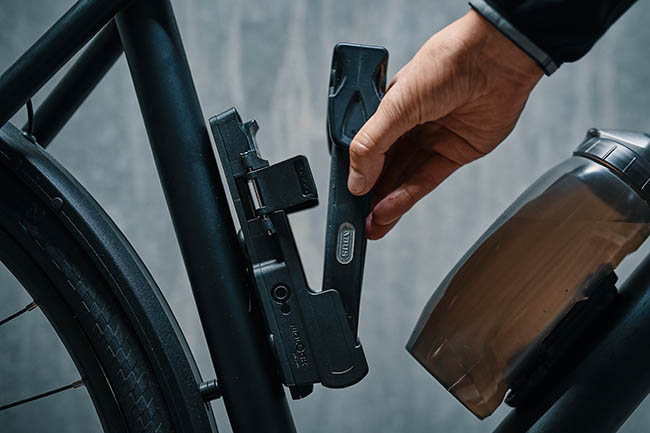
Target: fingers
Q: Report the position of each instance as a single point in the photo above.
(424, 174)
(398, 202)
(369, 146)
(375, 231)
(422, 93)
(403, 158)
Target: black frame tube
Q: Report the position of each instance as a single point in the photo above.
(251, 389)
(75, 86)
(604, 389)
(52, 50)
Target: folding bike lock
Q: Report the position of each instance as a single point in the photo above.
(313, 335)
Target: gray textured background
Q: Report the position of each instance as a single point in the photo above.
(271, 60)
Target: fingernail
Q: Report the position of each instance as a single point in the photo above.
(356, 181)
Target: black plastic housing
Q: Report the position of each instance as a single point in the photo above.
(308, 331)
(357, 84)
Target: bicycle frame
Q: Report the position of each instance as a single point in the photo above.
(252, 391)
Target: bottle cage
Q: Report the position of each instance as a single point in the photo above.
(313, 335)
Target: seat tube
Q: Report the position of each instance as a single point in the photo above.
(251, 389)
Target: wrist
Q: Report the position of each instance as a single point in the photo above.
(494, 50)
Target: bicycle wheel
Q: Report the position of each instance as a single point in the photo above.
(52, 262)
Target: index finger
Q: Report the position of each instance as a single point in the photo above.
(370, 144)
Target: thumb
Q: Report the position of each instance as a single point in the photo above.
(370, 144)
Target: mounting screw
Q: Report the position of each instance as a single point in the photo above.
(280, 293)
(210, 390)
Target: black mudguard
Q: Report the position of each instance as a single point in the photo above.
(131, 283)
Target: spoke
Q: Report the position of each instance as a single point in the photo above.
(18, 313)
(76, 384)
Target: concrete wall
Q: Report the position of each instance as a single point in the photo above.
(271, 60)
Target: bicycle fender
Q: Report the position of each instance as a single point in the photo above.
(130, 281)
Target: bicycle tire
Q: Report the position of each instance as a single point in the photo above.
(76, 296)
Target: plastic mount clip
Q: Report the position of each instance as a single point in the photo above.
(312, 334)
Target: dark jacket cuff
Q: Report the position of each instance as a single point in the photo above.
(544, 61)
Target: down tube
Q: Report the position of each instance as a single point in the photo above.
(252, 392)
(608, 385)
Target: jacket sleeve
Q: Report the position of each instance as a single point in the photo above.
(552, 31)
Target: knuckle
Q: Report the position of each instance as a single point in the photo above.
(430, 179)
(402, 105)
(462, 154)
(408, 198)
(393, 107)
(362, 145)
(403, 200)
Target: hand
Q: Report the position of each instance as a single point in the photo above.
(455, 101)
